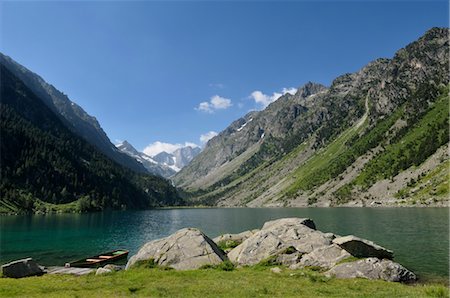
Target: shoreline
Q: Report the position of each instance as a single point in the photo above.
(375, 206)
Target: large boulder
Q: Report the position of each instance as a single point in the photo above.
(372, 268)
(22, 268)
(324, 257)
(288, 258)
(184, 250)
(362, 248)
(289, 221)
(278, 236)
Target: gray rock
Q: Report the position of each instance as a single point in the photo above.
(289, 221)
(184, 250)
(101, 271)
(362, 248)
(289, 259)
(331, 235)
(276, 270)
(260, 246)
(373, 268)
(113, 267)
(235, 237)
(22, 268)
(276, 237)
(325, 257)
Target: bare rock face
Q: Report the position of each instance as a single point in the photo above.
(289, 221)
(373, 268)
(236, 238)
(186, 249)
(289, 258)
(278, 236)
(324, 257)
(362, 248)
(22, 268)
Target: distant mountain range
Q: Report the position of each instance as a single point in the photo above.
(179, 158)
(55, 157)
(163, 164)
(378, 136)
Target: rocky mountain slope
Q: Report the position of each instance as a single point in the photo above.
(149, 163)
(179, 158)
(70, 113)
(46, 167)
(376, 136)
(163, 164)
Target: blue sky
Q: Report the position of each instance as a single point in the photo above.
(172, 71)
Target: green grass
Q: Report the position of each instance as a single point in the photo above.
(7, 207)
(224, 266)
(317, 168)
(434, 184)
(348, 260)
(243, 282)
(422, 140)
(228, 244)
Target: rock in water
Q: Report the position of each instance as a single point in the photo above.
(362, 248)
(22, 268)
(373, 268)
(185, 250)
(278, 236)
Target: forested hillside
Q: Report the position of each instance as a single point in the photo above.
(45, 166)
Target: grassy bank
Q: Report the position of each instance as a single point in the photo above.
(244, 282)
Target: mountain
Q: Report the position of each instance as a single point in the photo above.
(46, 166)
(374, 137)
(163, 164)
(149, 163)
(74, 117)
(179, 158)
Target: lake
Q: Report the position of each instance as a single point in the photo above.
(419, 237)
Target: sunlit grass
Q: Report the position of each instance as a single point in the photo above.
(243, 282)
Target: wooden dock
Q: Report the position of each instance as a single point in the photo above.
(68, 270)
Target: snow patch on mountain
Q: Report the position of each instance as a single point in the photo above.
(164, 163)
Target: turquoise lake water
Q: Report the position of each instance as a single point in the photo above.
(419, 237)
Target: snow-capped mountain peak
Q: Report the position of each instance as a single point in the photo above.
(164, 164)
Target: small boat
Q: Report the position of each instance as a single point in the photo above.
(100, 260)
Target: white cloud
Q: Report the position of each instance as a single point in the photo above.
(158, 147)
(291, 90)
(264, 99)
(190, 144)
(215, 103)
(204, 138)
(204, 107)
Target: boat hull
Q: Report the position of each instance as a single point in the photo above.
(112, 257)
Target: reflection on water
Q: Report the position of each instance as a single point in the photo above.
(418, 236)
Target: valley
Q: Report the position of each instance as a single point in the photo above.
(368, 140)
